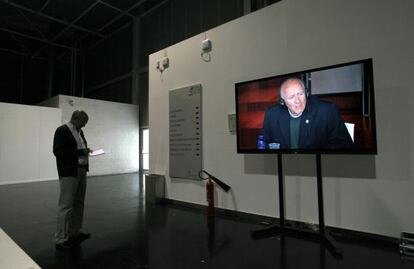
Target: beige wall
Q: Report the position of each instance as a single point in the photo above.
(364, 193)
(26, 138)
(112, 127)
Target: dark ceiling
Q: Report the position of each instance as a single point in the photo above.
(29, 27)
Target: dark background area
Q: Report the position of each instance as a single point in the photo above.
(97, 48)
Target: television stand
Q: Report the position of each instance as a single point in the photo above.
(281, 230)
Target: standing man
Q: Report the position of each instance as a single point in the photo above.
(71, 151)
(304, 122)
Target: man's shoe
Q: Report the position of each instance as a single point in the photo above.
(80, 237)
(68, 244)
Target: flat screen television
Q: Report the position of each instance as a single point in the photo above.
(320, 111)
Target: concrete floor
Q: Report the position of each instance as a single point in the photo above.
(128, 232)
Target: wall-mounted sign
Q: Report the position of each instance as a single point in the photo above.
(185, 132)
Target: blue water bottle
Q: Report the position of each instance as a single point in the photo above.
(261, 143)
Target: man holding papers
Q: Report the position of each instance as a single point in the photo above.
(71, 151)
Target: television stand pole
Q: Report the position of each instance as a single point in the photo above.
(276, 230)
(325, 238)
(282, 230)
(281, 191)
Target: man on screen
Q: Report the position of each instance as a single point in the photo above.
(302, 122)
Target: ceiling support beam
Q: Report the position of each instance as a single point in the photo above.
(20, 43)
(117, 17)
(140, 2)
(126, 13)
(109, 82)
(128, 23)
(32, 24)
(43, 6)
(52, 18)
(69, 25)
(35, 38)
(19, 53)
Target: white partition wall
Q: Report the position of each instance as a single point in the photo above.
(364, 193)
(112, 127)
(26, 136)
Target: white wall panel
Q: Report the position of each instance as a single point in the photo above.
(112, 127)
(26, 137)
(365, 193)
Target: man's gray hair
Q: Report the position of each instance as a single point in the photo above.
(288, 81)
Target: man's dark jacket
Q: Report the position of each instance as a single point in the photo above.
(66, 151)
(321, 127)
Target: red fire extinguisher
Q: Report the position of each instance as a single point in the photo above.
(210, 198)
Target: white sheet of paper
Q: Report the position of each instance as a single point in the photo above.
(97, 152)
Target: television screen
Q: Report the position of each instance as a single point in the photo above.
(323, 110)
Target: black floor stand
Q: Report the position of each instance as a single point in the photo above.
(321, 236)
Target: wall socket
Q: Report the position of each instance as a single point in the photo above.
(232, 122)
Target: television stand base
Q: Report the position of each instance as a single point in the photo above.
(316, 236)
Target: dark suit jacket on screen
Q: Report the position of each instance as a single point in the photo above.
(66, 151)
(321, 127)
